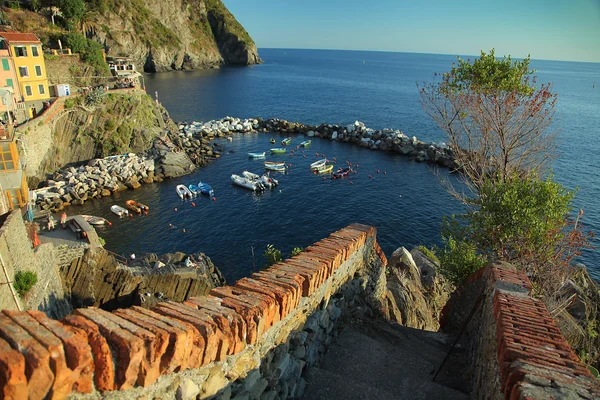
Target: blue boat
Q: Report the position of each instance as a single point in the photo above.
(194, 189)
(206, 189)
(286, 141)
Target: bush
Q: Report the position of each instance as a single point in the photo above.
(89, 50)
(296, 251)
(24, 281)
(429, 253)
(272, 255)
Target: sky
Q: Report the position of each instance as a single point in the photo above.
(547, 29)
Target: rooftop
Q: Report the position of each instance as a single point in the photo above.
(15, 37)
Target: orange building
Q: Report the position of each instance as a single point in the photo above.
(8, 81)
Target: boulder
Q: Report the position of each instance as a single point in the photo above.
(402, 260)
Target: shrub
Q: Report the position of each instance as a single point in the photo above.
(296, 251)
(429, 253)
(102, 241)
(272, 255)
(459, 259)
(24, 281)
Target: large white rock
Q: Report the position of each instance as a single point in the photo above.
(334, 135)
(310, 133)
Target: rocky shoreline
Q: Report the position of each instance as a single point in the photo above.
(178, 153)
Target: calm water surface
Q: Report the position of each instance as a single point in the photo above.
(316, 86)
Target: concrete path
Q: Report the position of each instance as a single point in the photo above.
(386, 361)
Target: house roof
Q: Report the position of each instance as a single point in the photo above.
(14, 37)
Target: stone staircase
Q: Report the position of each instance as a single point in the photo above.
(380, 360)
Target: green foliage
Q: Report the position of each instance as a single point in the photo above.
(459, 258)
(72, 10)
(296, 251)
(69, 103)
(218, 9)
(272, 255)
(89, 50)
(102, 241)
(110, 125)
(24, 281)
(429, 253)
(489, 74)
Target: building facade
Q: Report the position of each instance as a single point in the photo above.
(25, 52)
(13, 183)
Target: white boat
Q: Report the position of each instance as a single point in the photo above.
(92, 220)
(318, 164)
(246, 183)
(256, 155)
(274, 167)
(120, 211)
(183, 192)
(266, 180)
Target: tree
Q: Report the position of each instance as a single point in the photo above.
(72, 10)
(495, 119)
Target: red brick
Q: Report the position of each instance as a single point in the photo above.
(78, 352)
(311, 273)
(222, 324)
(37, 359)
(326, 253)
(283, 281)
(155, 346)
(343, 249)
(128, 348)
(369, 230)
(104, 370)
(207, 343)
(282, 297)
(294, 273)
(212, 306)
(13, 382)
(312, 263)
(192, 342)
(266, 304)
(322, 258)
(210, 329)
(63, 376)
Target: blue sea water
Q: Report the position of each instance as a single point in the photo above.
(315, 86)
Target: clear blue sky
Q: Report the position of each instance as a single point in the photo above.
(546, 29)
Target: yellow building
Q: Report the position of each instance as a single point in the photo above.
(14, 192)
(25, 50)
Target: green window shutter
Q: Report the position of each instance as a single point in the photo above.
(5, 65)
(9, 82)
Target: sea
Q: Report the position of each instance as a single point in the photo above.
(403, 199)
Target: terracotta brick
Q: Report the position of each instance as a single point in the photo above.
(322, 258)
(297, 274)
(13, 382)
(190, 340)
(209, 350)
(326, 253)
(336, 246)
(369, 230)
(282, 297)
(128, 348)
(78, 353)
(210, 329)
(266, 304)
(37, 359)
(380, 253)
(63, 376)
(283, 281)
(222, 324)
(104, 369)
(311, 263)
(354, 239)
(155, 345)
(312, 274)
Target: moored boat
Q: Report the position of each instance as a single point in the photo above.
(278, 150)
(318, 164)
(194, 189)
(286, 141)
(266, 180)
(183, 192)
(341, 173)
(92, 220)
(136, 206)
(256, 155)
(324, 170)
(279, 167)
(306, 143)
(120, 211)
(245, 183)
(206, 189)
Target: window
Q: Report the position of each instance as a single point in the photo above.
(5, 65)
(24, 72)
(41, 88)
(7, 159)
(9, 82)
(34, 51)
(28, 91)
(38, 70)
(21, 51)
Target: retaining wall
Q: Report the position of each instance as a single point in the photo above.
(250, 340)
(520, 352)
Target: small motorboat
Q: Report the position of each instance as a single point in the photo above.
(278, 150)
(92, 220)
(206, 189)
(318, 164)
(194, 189)
(266, 180)
(136, 207)
(324, 170)
(245, 183)
(120, 211)
(306, 143)
(286, 141)
(183, 192)
(342, 173)
(256, 155)
(272, 141)
(275, 166)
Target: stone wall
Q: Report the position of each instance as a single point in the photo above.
(518, 352)
(251, 340)
(18, 254)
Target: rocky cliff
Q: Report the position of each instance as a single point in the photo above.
(169, 35)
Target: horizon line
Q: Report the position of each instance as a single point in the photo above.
(414, 52)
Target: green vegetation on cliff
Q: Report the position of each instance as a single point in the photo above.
(222, 14)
